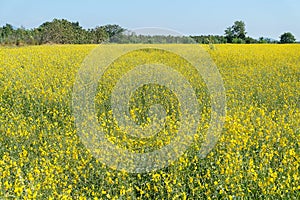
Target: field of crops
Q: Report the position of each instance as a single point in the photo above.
(256, 156)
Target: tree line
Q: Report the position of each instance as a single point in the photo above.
(59, 31)
(62, 31)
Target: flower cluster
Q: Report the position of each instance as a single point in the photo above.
(257, 155)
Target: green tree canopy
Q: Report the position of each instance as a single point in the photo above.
(287, 38)
(113, 29)
(236, 32)
(60, 32)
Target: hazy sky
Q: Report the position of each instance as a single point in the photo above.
(268, 18)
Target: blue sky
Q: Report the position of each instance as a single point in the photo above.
(268, 18)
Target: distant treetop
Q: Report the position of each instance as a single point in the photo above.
(287, 38)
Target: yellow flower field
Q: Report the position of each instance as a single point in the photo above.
(257, 155)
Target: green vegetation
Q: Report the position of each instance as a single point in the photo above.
(57, 32)
(287, 38)
(236, 33)
(61, 31)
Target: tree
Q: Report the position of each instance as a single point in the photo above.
(236, 32)
(250, 40)
(287, 38)
(113, 29)
(99, 35)
(7, 34)
(61, 32)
